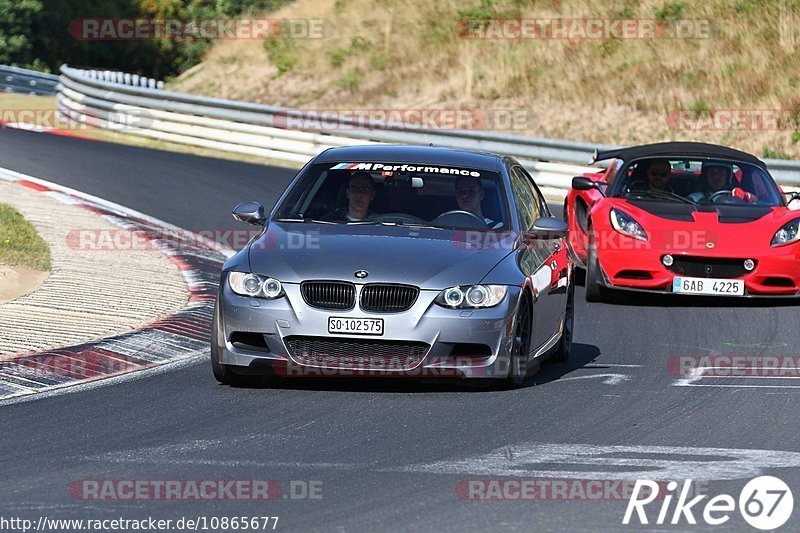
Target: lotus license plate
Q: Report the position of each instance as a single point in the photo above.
(355, 326)
(708, 286)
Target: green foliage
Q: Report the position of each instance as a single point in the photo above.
(671, 11)
(16, 24)
(626, 12)
(608, 46)
(232, 8)
(357, 44)
(338, 55)
(489, 9)
(774, 151)
(350, 80)
(699, 107)
(379, 61)
(437, 32)
(281, 53)
(35, 33)
(747, 7)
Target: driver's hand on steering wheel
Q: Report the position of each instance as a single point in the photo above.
(740, 193)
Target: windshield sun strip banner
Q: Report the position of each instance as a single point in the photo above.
(430, 169)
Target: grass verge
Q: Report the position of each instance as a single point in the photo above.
(20, 244)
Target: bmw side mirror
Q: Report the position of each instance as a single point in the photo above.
(549, 228)
(250, 213)
(792, 196)
(582, 183)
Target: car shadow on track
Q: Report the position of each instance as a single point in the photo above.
(580, 356)
(549, 371)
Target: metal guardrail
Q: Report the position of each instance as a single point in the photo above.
(21, 80)
(125, 78)
(140, 106)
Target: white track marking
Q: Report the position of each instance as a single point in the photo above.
(615, 462)
(610, 379)
(699, 373)
(535, 460)
(738, 386)
(610, 365)
(753, 377)
(695, 374)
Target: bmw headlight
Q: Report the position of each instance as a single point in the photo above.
(624, 223)
(789, 233)
(255, 285)
(472, 296)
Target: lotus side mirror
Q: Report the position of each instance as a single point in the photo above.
(582, 183)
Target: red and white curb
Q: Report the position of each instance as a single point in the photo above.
(36, 128)
(179, 338)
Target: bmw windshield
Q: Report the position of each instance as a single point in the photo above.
(397, 193)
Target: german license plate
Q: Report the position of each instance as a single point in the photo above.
(709, 286)
(355, 326)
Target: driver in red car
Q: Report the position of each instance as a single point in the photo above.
(718, 179)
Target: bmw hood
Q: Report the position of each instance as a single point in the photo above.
(428, 258)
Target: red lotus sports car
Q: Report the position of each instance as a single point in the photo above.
(686, 218)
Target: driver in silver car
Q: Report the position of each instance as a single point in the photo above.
(469, 195)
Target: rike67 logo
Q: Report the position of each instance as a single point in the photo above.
(765, 503)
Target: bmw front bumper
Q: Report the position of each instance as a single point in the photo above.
(287, 336)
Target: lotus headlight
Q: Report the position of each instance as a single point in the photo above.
(255, 285)
(472, 296)
(789, 233)
(624, 223)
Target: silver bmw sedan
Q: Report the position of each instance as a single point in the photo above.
(398, 261)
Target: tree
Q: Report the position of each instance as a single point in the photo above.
(16, 21)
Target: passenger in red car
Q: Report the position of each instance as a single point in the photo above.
(658, 175)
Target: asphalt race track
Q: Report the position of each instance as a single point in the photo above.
(395, 455)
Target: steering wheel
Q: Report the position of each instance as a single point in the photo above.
(400, 218)
(720, 194)
(458, 217)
